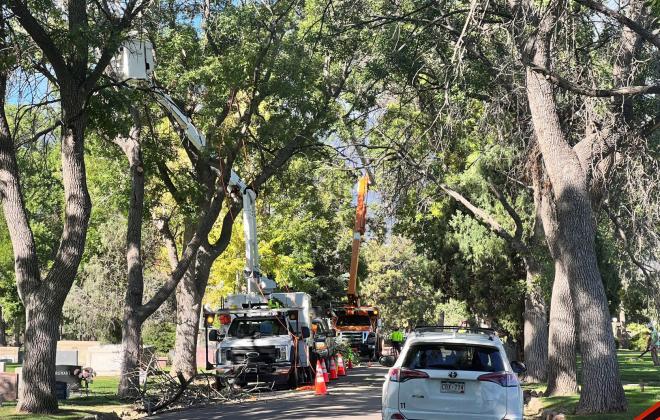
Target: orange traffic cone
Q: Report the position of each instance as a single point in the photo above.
(320, 388)
(326, 378)
(333, 368)
(350, 363)
(341, 371)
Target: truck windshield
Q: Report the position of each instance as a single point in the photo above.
(257, 327)
(348, 320)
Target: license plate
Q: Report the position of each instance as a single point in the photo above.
(452, 387)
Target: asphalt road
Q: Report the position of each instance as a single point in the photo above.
(356, 396)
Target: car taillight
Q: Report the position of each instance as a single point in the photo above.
(500, 378)
(397, 416)
(403, 374)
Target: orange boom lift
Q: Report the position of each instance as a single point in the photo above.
(359, 325)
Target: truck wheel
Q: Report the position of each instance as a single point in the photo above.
(293, 378)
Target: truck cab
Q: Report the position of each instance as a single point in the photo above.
(265, 342)
(359, 328)
(325, 344)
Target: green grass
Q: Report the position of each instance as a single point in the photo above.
(633, 373)
(102, 399)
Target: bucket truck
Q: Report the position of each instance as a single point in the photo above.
(265, 336)
(359, 325)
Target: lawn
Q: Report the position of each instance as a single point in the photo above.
(634, 372)
(102, 399)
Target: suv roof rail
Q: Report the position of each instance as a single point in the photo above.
(455, 329)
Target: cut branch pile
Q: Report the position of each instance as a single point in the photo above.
(156, 390)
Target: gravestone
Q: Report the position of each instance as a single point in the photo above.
(10, 354)
(61, 390)
(8, 386)
(66, 357)
(68, 375)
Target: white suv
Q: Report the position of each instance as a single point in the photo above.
(452, 373)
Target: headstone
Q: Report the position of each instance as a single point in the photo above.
(61, 390)
(66, 357)
(9, 354)
(8, 386)
(82, 347)
(68, 374)
(105, 359)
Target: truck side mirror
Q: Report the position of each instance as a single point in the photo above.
(387, 361)
(214, 335)
(305, 332)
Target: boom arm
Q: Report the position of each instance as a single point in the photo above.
(135, 63)
(358, 231)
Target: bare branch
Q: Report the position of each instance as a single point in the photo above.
(650, 36)
(597, 93)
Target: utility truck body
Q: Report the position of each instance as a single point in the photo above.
(264, 339)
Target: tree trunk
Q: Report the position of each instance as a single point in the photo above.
(131, 333)
(602, 390)
(37, 393)
(3, 329)
(536, 326)
(132, 320)
(562, 362)
(189, 295)
(43, 301)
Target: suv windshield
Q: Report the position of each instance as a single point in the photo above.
(454, 357)
(257, 327)
(347, 320)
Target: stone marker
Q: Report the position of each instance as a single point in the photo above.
(8, 386)
(9, 354)
(66, 357)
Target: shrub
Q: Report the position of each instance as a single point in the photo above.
(639, 335)
(160, 335)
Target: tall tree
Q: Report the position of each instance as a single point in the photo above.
(267, 95)
(66, 50)
(576, 174)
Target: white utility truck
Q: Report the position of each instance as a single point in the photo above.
(265, 336)
(263, 339)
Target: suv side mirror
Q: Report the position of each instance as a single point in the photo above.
(215, 336)
(306, 333)
(518, 367)
(332, 333)
(387, 361)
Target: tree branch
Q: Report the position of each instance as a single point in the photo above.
(40, 37)
(480, 214)
(597, 93)
(509, 209)
(650, 36)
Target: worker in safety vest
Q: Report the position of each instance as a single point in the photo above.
(654, 345)
(397, 339)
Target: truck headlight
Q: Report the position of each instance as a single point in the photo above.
(282, 353)
(221, 356)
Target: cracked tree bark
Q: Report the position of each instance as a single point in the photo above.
(575, 240)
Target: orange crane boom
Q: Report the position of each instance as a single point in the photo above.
(358, 232)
